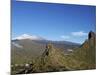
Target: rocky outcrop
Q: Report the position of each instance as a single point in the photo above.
(91, 35)
(87, 52)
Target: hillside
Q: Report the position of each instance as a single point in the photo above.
(84, 57)
(81, 58)
(53, 59)
(27, 48)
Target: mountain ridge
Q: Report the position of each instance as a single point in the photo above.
(33, 48)
(83, 58)
(26, 36)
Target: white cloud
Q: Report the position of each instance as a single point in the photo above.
(79, 33)
(65, 37)
(31, 37)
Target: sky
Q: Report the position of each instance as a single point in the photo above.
(59, 22)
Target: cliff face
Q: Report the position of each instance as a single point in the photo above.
(91, 35)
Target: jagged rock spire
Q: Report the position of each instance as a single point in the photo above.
(47, 50)
(91, 35)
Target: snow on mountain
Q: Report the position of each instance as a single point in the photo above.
(17, 45)
(26, 36)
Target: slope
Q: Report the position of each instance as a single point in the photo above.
(84, 57)
(51, 60)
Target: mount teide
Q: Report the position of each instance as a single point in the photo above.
(26, 46)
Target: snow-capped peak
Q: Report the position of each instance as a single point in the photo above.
(31, 37)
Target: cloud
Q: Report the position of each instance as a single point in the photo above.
(79, 33)
(65, 37)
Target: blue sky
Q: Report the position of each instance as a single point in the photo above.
(53, 21)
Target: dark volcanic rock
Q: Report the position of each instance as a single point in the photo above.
(91, 35)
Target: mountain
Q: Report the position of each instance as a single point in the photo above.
(26, 46)
(53, 59)
(84, 57)
(26, 36)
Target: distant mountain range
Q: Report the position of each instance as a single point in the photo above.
(40, 39)
(26, 36)
(32, 46)
(25, 41)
